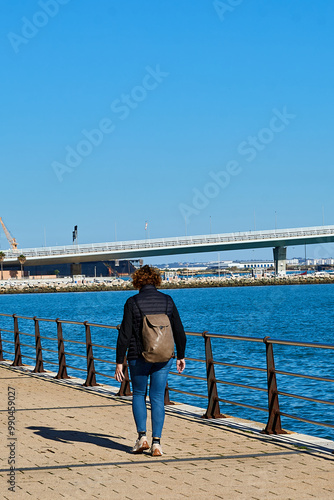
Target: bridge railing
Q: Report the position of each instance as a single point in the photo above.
(174, 242)
(51, 348)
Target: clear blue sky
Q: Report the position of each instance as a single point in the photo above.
(204, 111)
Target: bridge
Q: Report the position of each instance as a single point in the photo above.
(277, 239)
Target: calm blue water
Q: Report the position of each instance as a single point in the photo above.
(298, 312)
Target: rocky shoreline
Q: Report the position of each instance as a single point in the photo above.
(121, 285)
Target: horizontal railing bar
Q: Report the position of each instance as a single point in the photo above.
(8, 341)
(104, 375)
(48, 320)
(76, 368)
(242, 404)
(300, 344)
(194, 334)
(233, 337)
(75, 341)
(76, 355)
(235, 384)
(67, 321)
(49, 338)
(28, 334)
(270, 341)
(306, 420)
(99, 325)
(7, 331)
(195, 359)
(22, 317)
(49, 350)
(312, 377)
(195, 377)
(27, 345)
(70, 322)
(305, 398)
(104, 347)
(26, 356)
(104, 361)
(49, 362)
(241, 366)
(8, 352)
(187, 393)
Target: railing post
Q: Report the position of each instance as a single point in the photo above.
(213, 409)
(18, 358)
(167, 401)
(91, 376)
(1, 351)
(125, 390)
(274, 419)
(62, 371)
(39, 368)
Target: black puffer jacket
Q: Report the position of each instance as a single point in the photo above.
(150, 301)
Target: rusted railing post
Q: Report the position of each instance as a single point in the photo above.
(274, 419)
(18, 358)
(1, 351)
(125, 390)
(39, 368)
(62, 371)
(167, 401)
(91, 374)
(213, 409)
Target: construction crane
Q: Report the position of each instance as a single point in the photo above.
(111, 271)
(11, 240)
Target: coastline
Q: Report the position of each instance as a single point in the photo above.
(19, 288)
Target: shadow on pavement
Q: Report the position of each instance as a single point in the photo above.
(64, 436)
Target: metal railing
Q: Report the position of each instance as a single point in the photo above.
(207, 366)
(175, 242)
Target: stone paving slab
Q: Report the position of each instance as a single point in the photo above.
(73, 442)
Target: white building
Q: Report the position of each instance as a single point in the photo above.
(254, 264)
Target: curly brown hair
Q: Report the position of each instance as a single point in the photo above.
(146, 275)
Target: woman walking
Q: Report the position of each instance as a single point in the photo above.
(148, 301)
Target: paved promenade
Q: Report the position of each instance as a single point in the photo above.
(74, 442)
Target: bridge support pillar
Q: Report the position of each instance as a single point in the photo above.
(76, 269)
(280, 260)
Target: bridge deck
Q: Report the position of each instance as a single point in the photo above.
(174, 246)
(74, 442)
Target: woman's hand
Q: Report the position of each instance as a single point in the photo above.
(119, 375)
(180, 365)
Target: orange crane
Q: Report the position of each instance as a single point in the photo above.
(11, 240)
(111, 271)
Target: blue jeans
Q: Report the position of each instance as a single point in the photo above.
(140, 370)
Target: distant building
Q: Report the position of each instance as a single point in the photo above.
(89, 269)
(254, 264)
